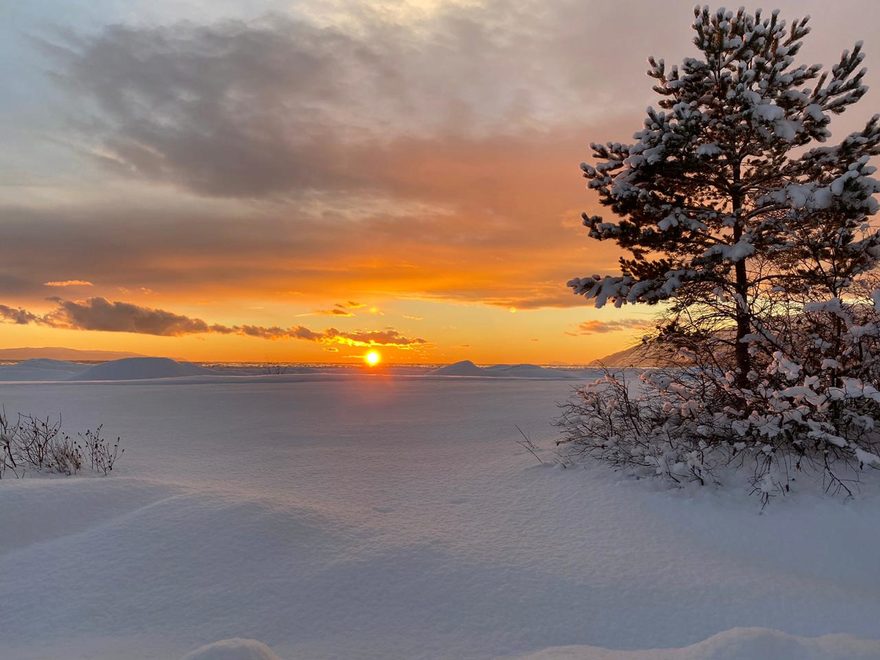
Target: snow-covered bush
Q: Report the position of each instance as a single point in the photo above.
(33, 444)
(758, 244)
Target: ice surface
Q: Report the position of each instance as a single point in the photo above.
(396, 517)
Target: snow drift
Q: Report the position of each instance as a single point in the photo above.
(233, 649)
(734, 644)
(141, 368)
(40, 369)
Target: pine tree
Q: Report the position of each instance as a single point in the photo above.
(754, 235)
(720, 198)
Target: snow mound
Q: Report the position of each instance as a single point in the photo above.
(40, 369)
(734, 644)
(468, 368)
(233, 649)
(141, 368)
(463, 368)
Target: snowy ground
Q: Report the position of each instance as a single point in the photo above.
(396, 518)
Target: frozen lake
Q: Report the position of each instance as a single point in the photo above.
(392, 517)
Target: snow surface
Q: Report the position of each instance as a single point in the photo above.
(734, 644)
(393, 517)
(135, 368)
(139, 368)
(233, 649)
(40, 369)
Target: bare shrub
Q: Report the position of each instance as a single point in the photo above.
(102, 454)
(33, 444)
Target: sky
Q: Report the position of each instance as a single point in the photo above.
(299, 181)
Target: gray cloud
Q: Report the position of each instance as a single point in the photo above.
(103, 315)
(18, 316)
(280, 105)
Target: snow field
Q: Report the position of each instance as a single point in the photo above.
(397, 518)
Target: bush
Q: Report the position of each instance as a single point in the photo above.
(33, 444)
(691, 423)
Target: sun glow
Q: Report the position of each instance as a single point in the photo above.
(372, 358)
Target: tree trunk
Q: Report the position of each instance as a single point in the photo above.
(741, 286)
(743, 327)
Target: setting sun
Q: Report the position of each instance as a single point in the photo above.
(372, 358)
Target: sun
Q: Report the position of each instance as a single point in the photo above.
(372, 358)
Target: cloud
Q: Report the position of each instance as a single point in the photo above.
(506, 258)
(103, 315)
(282, 105)
(66, 283)
(338, 309)
(602, 327)
(432, 158)
(387, 337)
(18, 316)
(339, 142)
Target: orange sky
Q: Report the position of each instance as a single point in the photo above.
(250, 181)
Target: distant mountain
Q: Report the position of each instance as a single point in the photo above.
(59, 353)
(468, 368)
(640, 355)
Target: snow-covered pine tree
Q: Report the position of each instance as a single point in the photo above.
(719, 176)
(753, 236)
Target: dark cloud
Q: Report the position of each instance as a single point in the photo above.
(103, 315)
(17, 315)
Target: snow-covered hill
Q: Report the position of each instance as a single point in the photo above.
(141, 368)
(40, 369)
